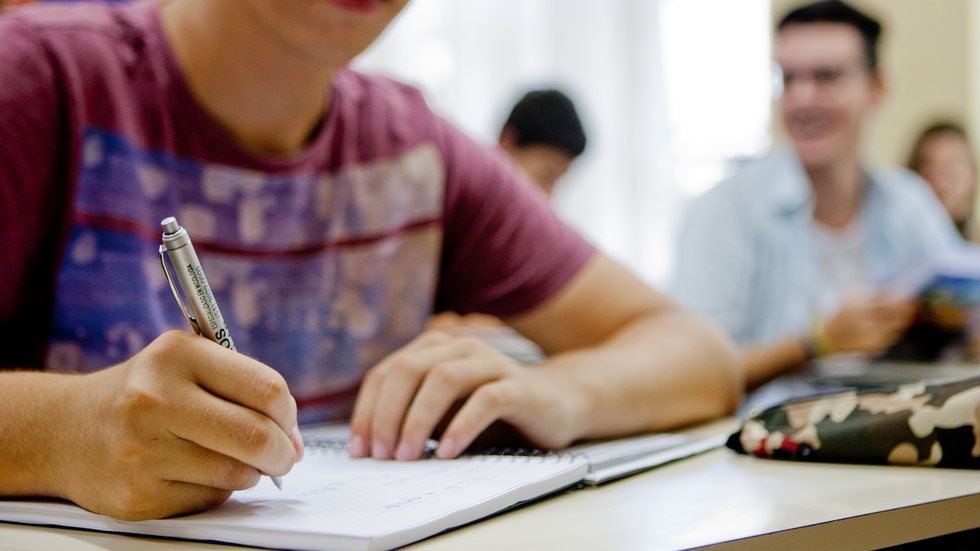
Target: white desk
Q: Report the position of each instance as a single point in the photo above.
(717, 500)
(722, 501)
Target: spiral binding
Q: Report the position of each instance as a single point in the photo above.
(341, 446)
(530, 454)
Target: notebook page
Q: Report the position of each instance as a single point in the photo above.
(608, 459)
(367, 498)
(332, 501)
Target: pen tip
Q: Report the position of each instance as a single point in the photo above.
(277, 480)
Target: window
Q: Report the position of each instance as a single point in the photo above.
(669, 91)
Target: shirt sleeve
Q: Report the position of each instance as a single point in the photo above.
(714, 260)
(505, 251)
(32, 159)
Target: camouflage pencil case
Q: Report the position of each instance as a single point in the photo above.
(911, 424)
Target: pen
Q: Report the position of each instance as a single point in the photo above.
(204, 316)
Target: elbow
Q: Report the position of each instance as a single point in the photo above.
(722, 375)
(706, 381)
(731, 376)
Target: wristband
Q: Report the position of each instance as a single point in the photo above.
(816, 343)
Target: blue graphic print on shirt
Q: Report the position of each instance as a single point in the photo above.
(319, 275)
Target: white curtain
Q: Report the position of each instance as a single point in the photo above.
(669, 90)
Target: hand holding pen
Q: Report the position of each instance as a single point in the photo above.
(203, 313)
(174, 429)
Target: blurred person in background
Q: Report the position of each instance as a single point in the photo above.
(789, 254)
(543, 135)
(943, 157)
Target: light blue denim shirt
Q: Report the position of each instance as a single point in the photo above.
(746, 255)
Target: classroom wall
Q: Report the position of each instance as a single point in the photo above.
(930, 55)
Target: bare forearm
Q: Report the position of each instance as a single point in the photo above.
(31, 407)
(657, 372)
(765, 362)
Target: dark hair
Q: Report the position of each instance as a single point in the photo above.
(835, 11)
(935, 129)
(547, 117)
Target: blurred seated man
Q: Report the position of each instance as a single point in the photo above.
(790, 253)
(943, 157)
(543, 135)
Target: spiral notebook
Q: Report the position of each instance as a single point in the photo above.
(330, 501)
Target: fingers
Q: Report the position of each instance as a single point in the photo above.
(403, 376)
(297, 440)
(891, 320)
(244, 412)
(188, 498)
(360, 421)
(404, 398)
(160, 500)
(234, 431)
(369, 396)
(368, 399)
(242, 380)
(182, 424)
(871, 337)
(897, 310)
(487, 404)
(194, 464)
(871, 324)
(880, 306)
(446, 383)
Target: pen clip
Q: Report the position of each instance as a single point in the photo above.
(173, 289)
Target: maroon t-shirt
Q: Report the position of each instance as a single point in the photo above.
(323, 261)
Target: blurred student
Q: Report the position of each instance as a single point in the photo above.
(543, 135)
(788, 255)
(333, 213)
(943, 157)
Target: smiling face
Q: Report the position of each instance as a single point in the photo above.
(329, 32)
(829, 92)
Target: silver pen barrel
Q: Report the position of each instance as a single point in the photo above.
(190, 275)
(194, 285)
